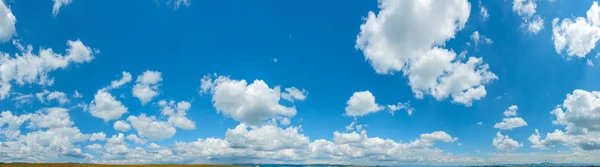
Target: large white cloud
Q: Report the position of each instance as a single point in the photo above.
(362, 103)
(577, 36)
(51, 135)
(147, 86)
(411, 41)
(151, 128)
(580, 115)
(526, 9)
(106, 106)
(250, 104)
(505, 143)
(7, 23)
(30, 68)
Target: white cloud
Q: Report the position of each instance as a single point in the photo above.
(7, 23)
(438, 136)
(483, 12)
(579, 36)
(147, 86)
(590, 63)
(22, 99)
(480, 123)
(154, 146)
(121, 126)
(106, 106)
(150, 128)
(250, 104)
(400, 106)
(51, 136)
(579, 115)
(45, 95)
(526, 9)
(510, 123)
(179, 3)
(135, 139)
(410, 41)
(29, 68)
(511, 111)
(293, 93)
(177, 114)
(77, 95)
(58, 4)
(361, 104)
(477, 38)
(98, 137)
(265, 137)
(504, 143)
(124, 80)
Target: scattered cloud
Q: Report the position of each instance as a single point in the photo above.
(147, 86)
(58, 4)
(526, 9)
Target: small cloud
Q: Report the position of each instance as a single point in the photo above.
(479, 123)
(275, 60)
(498, 97)
(590, 63)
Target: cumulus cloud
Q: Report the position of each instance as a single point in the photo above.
(51, 135)
(151, 128)
(505, 143)
(30, 68)
(577, 36)
(121, 126)
(411, 41)
(512, 111)
(293, 93)
(147, 86)
(135, 139)
(46, 95)
(58, 4)
(250, 104)
(526, 9)
(579, 115)
(7, 23)
(106, 106)
(177, 114)
(361, 104)
(510, 123)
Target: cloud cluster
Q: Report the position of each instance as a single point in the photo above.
(147, 86)
(511, 121)
(579, 114)
(526, 9)
(411, 41)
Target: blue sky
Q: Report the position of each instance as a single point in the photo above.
(299, 82)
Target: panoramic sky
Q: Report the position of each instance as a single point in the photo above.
(388, 82)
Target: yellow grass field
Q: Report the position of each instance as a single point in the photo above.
(104, 165)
